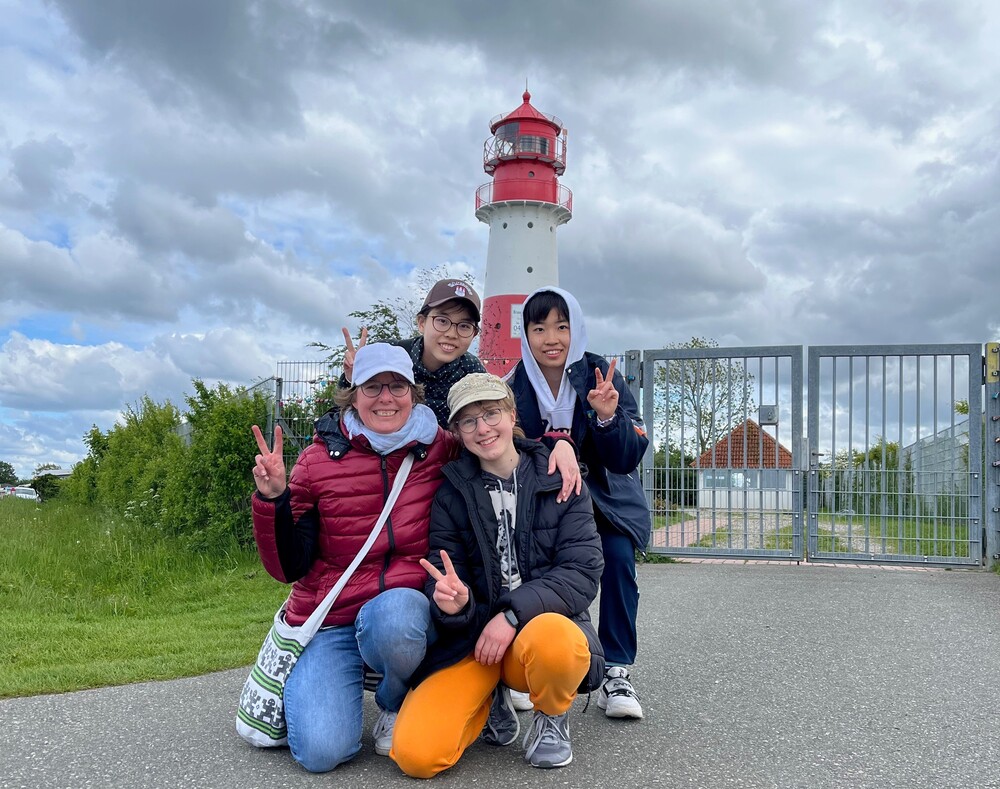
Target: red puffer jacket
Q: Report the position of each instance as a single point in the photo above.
(337, 488)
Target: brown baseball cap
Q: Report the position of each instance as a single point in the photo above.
(448, 289)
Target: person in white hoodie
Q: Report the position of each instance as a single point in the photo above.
(559, 386)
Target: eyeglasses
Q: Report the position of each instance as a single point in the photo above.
(443, 324)
(374, 388)
(467, 424)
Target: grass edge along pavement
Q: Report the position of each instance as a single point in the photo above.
(89, 600)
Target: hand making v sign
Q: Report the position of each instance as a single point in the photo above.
(450, 593)
(603, 398)
(348, 363)
(269, 465)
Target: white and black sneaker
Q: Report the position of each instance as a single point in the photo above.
(617, 697)
(502, 726)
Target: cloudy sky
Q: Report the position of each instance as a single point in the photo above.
(195, 189)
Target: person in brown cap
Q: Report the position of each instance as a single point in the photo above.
(447, 323)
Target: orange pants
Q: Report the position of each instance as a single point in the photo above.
(445, 713)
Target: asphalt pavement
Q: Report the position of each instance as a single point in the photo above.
(751, 675)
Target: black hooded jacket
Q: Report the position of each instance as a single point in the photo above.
(558, 549)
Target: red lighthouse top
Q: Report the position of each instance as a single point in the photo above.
(525, 156)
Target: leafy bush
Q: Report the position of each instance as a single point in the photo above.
(143, 471)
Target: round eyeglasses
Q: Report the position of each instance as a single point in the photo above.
(443, 324)
(374, 388)
(467, 424)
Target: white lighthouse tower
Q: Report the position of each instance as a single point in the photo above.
(523, 205)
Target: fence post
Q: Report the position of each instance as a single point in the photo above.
(991, 469)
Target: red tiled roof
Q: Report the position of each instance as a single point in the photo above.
(760, 450)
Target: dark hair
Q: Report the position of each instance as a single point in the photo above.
(537, 308)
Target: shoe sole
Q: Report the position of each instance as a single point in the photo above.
(618, 714)
(551, 766)
(382, 751)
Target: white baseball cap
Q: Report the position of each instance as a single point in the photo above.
(380, 357)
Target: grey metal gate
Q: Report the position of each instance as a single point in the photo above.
(894, 460)
(723, 472)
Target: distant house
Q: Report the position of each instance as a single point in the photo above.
(747, 469)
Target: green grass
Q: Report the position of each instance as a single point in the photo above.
(904, 537)
(87, 600)
(661, 519)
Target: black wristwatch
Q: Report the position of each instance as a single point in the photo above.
(511, 618)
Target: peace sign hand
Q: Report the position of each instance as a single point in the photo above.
(450, 594)
(603, 398)
(348, 363)
(269, 465)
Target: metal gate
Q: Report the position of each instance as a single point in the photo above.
(723, 472)
(894, 461)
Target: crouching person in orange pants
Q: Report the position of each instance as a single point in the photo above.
(513, 570)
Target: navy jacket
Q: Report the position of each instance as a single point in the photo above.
(558, 549)
(611, 454)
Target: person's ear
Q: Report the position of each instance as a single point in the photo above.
(421, 322)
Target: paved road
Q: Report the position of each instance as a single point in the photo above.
(752, 675)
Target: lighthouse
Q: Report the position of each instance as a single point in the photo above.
(523, 205)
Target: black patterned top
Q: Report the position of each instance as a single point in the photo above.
(437, 383)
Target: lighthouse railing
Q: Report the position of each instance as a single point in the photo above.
(484, 194)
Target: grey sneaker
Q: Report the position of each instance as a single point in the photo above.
(502, 726)
(617, 697)
(382, 732)
(522, 701)
(547, 741)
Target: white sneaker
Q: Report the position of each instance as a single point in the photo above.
(522, 701)
(617, 697)
(383, 731)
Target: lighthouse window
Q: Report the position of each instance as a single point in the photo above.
(504, 225)
(508, 132)
(531, 173)
(532, 144)
(531, 224)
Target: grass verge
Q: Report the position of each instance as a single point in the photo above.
(87, 600)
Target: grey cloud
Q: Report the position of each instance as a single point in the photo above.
(36, 165)
(161, 223)
(102, 277)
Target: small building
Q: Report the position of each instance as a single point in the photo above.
(747, 469)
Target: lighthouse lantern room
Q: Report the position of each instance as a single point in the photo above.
(523, 205)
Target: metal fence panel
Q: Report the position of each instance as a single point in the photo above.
(890, 478)
(991, 461)
(303, 392)
(723, 472)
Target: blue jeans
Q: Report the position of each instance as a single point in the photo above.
(324, 692)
